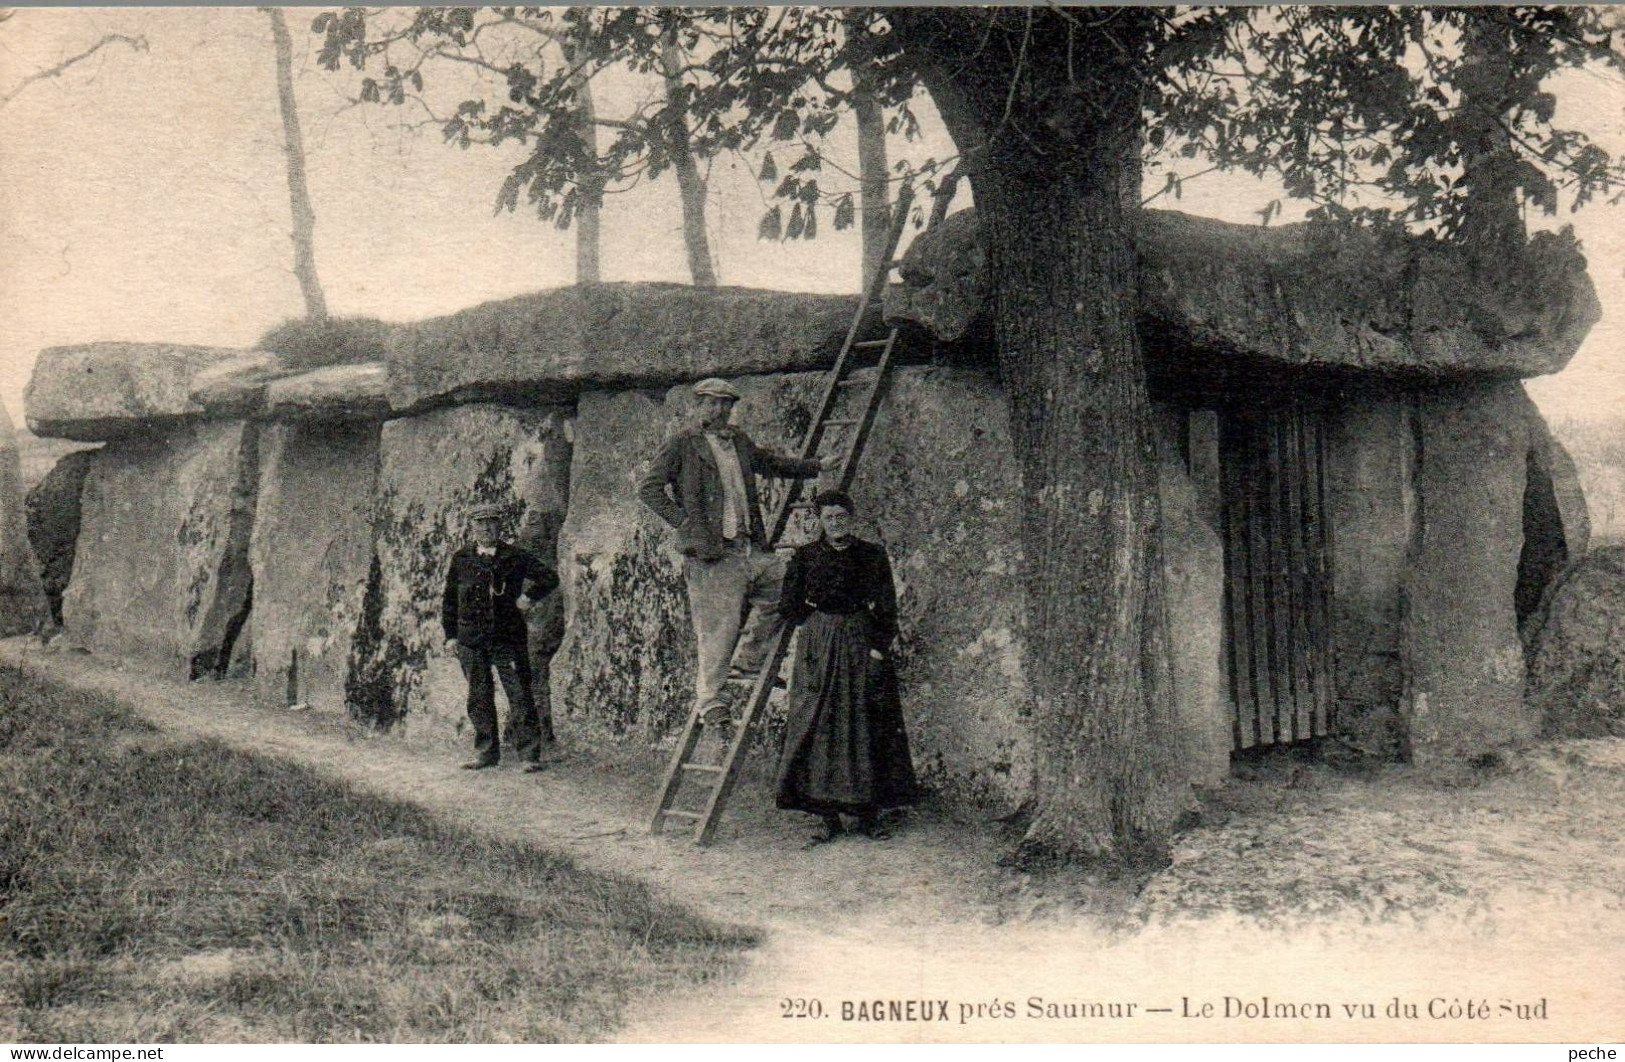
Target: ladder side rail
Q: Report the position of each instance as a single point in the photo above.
(871, 408)
(759, 694)
(674, 770)
(778, 519)
(877, 284)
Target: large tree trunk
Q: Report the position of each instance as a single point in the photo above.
(690, 185)
(1054, 162)
(293, 145)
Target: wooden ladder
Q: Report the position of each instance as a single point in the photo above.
(696, 788)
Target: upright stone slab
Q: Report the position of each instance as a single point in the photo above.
(1193, 567)
(1466, 662)
(311, 554)
(53, 524)
(431, 469)
(22, 597)
(1577, 661)
(938, 484)
(1556, 524)
(1371, 500)
(161, 574)
(626, 668)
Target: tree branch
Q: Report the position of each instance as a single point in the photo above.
(138, 43)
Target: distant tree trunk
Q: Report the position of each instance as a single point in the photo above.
(690, 185)
(1493, 223)
(589, 239)
(1048, 119)
(293, 145)
(874, 204)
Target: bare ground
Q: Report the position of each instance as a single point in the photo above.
(1301, 884)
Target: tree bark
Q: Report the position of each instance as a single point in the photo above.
(293, 145)
(1054, 162)
(589, 241)
(874, 203)
(690, 185)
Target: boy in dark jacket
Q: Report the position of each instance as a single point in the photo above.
(489, 587)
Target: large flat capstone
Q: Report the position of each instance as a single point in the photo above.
(1304, 296)
(310, 554)
(108, 390)
(431, 468)
(547, 346)
(161, 572)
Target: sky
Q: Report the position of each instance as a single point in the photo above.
(143, 197)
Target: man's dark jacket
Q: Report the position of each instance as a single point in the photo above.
(687, 465)
(478, 607)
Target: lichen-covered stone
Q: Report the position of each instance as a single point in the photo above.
(548, 346)
(947, 511)
(108, 390)
(161, 572)
(311, 553)
(53, 524)
(431, 468)
(1308, 297)
(1465, 700)
(1577, 662)
(1193, 564)
(334, 392)
(1371, 501)
(22, 597)
(945, 279)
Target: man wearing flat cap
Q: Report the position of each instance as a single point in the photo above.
(489, 588)
(703, 483)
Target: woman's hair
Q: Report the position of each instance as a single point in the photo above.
(834, 497)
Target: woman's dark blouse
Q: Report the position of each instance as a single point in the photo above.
(858, 578)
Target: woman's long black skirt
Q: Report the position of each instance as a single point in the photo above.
(845, 748)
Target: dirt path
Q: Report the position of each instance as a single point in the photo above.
(1308, 888)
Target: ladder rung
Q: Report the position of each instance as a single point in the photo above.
(850, 382)
(871, 344)
(704, 767)
(692, 816)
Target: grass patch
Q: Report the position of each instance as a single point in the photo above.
(305, 344)
(153, 891)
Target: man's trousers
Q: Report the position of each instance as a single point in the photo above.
(717, 592)
(512, 665)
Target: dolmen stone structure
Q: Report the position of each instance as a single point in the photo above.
(1349, 468)
(23, 606)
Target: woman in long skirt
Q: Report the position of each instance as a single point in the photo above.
(845, 750)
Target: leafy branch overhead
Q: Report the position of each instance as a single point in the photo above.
(1376, 115)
